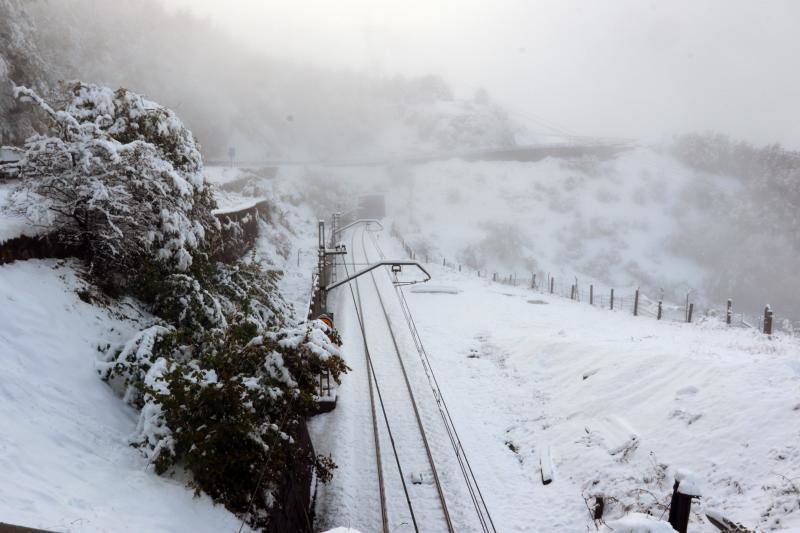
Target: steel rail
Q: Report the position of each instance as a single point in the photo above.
(414, 405)
(374, 378)
(466, 468)
(459, 453)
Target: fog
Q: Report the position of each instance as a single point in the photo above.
(628, 68)
(704, 196)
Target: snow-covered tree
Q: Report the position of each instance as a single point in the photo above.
(21, 61)
(224, 387)
(119, 176)
(750, 235)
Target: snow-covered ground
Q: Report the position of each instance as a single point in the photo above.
(721, 403)
(621, 403)
(12, 225)
(65, 456)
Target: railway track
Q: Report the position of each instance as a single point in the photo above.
(412, 494)
(473, 491)
(424, 479)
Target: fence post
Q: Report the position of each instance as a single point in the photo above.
(659, 310)
(459, 268)
(689, 315)
(686, 309)
(572, 292)
(728, 314)
(533, 281)
(591, 294)
(636, 303)
(444, 262)
(612, 299)
(494, 276)
(552, 283)
(768, 320)
(679, 509)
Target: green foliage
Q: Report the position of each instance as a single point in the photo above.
(224, 389)
(236, 411)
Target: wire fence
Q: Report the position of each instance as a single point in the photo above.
(629, 300)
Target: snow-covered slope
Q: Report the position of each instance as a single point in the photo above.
(629, 221)
(610, 221)
(622, 402)
(619, 403)
(66, 461)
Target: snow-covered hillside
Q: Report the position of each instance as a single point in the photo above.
(230, 95)
(66, 457)
(634, 220)
(620, 404)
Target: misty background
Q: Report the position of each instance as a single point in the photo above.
(704, 198)
(628, 68)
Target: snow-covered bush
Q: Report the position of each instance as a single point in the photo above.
(222, 381)
(128, 365)
(224, 391)
(120, 177)
(223, 386)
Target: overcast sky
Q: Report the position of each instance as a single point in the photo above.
(631, 68)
